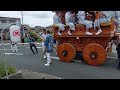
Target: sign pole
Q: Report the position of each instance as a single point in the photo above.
(5, 49)
(22, 23)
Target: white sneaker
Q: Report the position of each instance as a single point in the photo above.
(45, 57)
(99, 31)
(59, 33)
(69, 33)
(50, 61)
(88, 33)
(47, 64)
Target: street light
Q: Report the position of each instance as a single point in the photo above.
(22, 23)
(4, 48)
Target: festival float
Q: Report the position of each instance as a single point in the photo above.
(93, 48)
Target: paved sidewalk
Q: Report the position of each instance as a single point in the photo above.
(27, 74)
(35, 75)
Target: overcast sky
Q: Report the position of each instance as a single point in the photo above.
(32, 18)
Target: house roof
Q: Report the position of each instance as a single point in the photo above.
(49, 26)
(38, 27)
(9, 18)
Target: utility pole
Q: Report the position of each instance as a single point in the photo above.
(22, 23)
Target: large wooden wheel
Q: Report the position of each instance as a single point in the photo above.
(94, 54)
(66, 52)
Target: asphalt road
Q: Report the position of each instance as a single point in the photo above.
(25, 59)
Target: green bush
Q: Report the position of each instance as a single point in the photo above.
(34, 35)
(2, 69)
(0, 76)
(26, 40)
(11, 69)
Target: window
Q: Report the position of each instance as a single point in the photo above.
(12, 21)
(3, 21)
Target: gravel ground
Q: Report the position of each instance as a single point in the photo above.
(27, 74)
(35, 75)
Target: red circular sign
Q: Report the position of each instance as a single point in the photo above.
(16, 33)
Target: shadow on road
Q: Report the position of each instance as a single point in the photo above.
(79, 56)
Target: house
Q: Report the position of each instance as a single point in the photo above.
(48, 27)
(25, 27)
(38, 28)
(5, 21)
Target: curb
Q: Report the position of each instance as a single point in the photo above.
(16, 75)
(46, 76)
(36, 75)
(28, 75)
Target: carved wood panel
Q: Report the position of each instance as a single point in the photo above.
(82, 42)
(84, 39)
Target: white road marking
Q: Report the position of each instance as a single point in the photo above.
(8, 49)
(77, 61)
(37, 47)
(112, 57)
(13, 53)
(19, 49)
(6, 44)
(18, 43)
(57, 58)
(27, 43)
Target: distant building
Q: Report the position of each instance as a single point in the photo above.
(48, 28)
(26, 28)
(38, 28)
(7, 20)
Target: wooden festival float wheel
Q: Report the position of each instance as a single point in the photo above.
(66, 52)
(94, 54)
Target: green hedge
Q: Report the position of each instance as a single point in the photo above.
(0, 76)
(34, 35)
(25, 40)
(11, 69)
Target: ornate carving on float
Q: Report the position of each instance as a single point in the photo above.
(78, 41)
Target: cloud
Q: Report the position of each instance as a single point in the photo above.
(37, 21)
(32, 18)
(38, 14)
(10, 14)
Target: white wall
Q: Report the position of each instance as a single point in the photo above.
(2, 25)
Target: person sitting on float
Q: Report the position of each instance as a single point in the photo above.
(57, 22)
(69, 20)
(82, 20)
(105, 17)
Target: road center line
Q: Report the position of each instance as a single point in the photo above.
(13, 53)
